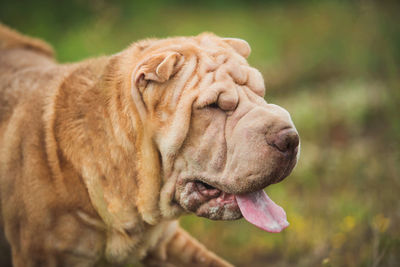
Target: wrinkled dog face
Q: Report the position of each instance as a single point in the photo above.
(216, 135)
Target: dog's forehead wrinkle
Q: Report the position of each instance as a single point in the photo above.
(238, 73)
(183, 77)
(222, 73)
(211, 44)
(231, 70)
(207, 63)
(207, 81)
(221, 59)
(255, 81)
(204, 86)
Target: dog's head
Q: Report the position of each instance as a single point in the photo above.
(218, 141)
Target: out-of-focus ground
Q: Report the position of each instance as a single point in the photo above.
(334, 65)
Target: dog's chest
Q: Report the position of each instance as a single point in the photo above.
(135, 247)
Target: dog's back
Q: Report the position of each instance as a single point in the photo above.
(22, 60)
(10, 39)
(33, 200)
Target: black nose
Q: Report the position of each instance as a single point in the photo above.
(286, 140)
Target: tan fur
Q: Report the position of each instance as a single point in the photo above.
(99, 158)
(11, 39)
(79, 169)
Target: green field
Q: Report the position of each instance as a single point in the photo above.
(334, 65)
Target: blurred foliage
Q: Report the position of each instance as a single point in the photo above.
(334, 65)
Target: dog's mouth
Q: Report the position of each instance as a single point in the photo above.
(211, 202)
(210, 191)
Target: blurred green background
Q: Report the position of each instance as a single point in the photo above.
(334, 65)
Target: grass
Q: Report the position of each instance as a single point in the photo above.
(333, 65)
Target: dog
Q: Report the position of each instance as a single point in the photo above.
(99, 158)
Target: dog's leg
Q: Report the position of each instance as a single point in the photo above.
(5, 251)
(183, 250)
(67, 242)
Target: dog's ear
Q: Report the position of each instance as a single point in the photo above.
(157, 68)
(239, 45)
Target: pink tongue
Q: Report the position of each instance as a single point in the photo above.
(258, 209)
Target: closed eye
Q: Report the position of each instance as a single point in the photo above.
(212, 105)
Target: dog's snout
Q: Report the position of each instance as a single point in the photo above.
(286, 140)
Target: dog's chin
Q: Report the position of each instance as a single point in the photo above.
(207, 201)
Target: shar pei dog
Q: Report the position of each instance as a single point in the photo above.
(99, 158)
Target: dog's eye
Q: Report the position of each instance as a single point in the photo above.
(212, 105)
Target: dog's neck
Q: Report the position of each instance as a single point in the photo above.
(96, 128)
(86, 126)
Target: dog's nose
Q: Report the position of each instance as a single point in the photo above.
(286, 140)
